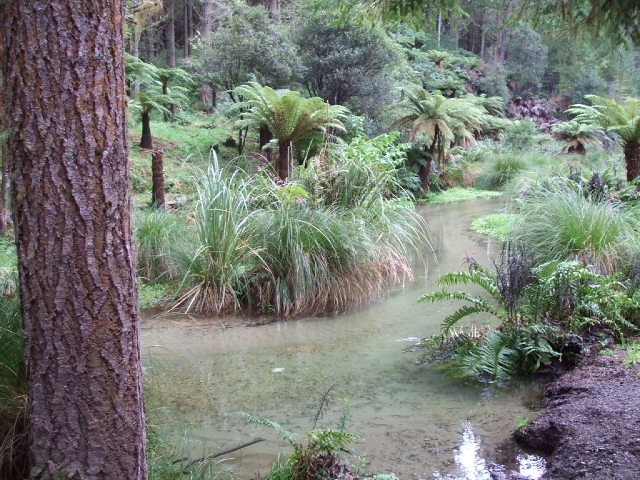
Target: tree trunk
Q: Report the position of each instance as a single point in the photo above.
(632, 159)
(146, 140)
(214, 95)
(157, 178)
(70, 187)
(4, 194)
(265, 137)
(188, 26)
(274, 10)
(284, 159)
(207, 18)
(170, 32)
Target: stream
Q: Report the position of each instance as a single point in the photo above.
(414, 421)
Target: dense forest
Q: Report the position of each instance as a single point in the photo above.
(250, 162)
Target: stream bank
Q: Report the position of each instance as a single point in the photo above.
(591, 427)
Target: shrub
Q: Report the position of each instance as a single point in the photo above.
(538, 308)
(345, 63)
(325, 242)
(519, 135)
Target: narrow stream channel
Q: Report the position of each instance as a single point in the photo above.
(416, 422)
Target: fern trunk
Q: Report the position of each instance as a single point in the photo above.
(157, 174)
(284, 160)
(146, 140)
(632, 159)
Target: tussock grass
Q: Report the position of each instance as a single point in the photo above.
(500, 169)
(155, 233)
(269, 249)
(562, 224)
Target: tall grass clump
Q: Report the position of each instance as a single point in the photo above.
(500, 169)
(325, 242)
(219, 258)
(13, 391)
(155, 233)
(563, 223)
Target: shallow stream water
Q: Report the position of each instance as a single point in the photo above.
(415, 421)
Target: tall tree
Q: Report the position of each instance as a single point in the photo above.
(66, 104)
(170, 32)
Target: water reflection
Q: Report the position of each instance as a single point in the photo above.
(470, 464)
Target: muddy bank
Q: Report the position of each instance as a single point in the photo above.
(591, 427)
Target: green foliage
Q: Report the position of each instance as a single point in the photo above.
(576, 136)
(633, 355)
(319, 458)
(439, 121)
(563, 224)
(150, 80)
(288, 116)
(154, 234)
(325, 242)
(500, 169)
(345, 63)
(457, 194)
(13, 391)
(620, 118)
(218, 260)
(493, 82)
(246, 46)
(526, 59)
(496, 225)
(520, 135)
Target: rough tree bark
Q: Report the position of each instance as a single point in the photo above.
(170, 32)
(157, 179)
(632, 159)
(66, 103)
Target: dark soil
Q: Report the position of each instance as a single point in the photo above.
(591, 428)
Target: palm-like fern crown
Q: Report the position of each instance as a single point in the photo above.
(288, 115)
(432, 113)
(621, 118)
(150, 97)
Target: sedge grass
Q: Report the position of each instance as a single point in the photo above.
(562, 224)
(257, 249)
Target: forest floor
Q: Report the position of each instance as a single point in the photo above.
(591, 427)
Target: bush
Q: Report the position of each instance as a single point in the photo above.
(520, 135)
(247, 46)
(154, 234)
(345, 63)
(539, 308)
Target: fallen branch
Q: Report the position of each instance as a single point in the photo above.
(220, 453)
